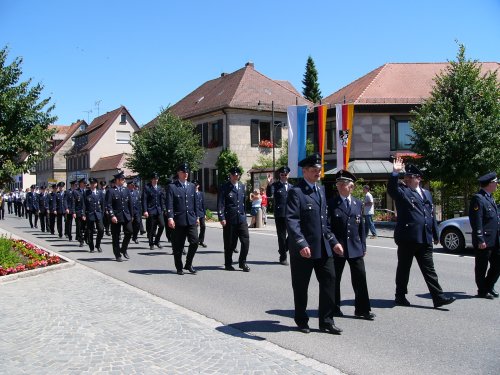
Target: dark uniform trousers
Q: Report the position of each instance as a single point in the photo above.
(60, 224)
(358, 280)
(68, 226)
(231, 233)
(136, 226)
(155, 224)
(487, 278)
(115, 235)
(203, 227)
(99, 226)
(280, 223)
(301, 269)
(179, 235)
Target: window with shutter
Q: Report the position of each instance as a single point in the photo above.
(254, 133)
(206, 179)
(278, 135)
(205, 134)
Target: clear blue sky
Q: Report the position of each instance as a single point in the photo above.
(148, 54)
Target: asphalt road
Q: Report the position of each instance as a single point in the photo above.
(462, 338)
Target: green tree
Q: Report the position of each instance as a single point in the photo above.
(164, 146)
(225, 161)
(311, 89)
(23, 120)
(457, 129)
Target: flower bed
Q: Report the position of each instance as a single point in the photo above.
(19, 255)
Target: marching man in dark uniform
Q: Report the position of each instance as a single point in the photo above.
(311, 243)
(105, 188)
(278, 191)
(32, 206)
(137, 206)
(60, 207)
(346, 220)
(153, 206)
(52, 207)
(231, 211)
(484, 217)
(182, 218)
(201, 212)
(119, 206)
(42, 208)
(79, 210)
(94, 212)
(68, 225)
(416, 229)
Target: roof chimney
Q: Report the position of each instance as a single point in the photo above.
(250, 64)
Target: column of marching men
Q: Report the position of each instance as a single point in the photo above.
(315, 235)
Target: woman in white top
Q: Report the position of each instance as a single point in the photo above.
(256, 199)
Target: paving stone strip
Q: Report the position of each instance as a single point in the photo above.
(79, 321)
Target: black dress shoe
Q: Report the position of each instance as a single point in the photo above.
(99, 249)
(284, 262)
(119, 259)
(180, 272)
(330, 327)
(367, 315)
(151, 247)
(244, 267)
(494, 293)
(444, 301)
(158, 245)
(91, 250)
(142, 232)
(402, 301)
(235, 251)
(136, 241)
(304, 328)
(184, 252)
(229, 268)
(125, 255)
(190, 269)
(81, 244)
(484, 295)
(202, 244)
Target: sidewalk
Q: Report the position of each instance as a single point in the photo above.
(75, 320)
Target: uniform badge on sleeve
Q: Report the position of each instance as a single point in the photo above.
(475, 208)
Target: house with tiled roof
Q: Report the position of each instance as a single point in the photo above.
(383, 99)
(236, 111)
(98, 150)
(53, 168)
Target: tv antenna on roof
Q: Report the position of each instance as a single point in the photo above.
(97, 102)
(88, 115)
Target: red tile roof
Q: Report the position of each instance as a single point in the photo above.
(110, 162)
(395, 83)
(242, 89)
(67, 132)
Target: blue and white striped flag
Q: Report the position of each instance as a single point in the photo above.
(297, 133)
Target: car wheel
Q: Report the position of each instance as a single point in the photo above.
(452, 240)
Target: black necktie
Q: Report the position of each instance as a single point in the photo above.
(347, 203)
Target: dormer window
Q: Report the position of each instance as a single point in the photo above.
(123, 119)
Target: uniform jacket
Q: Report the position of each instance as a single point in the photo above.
(51, 202)
(231, 203)
(61, 202)
(42, 203)
(69, 200)
(78, 202)
(200, 204)
(416, 218)
(136, 204)
(152, 200)
(279, 193)
(182, 205)
(307, 222)
(119, 204)
(31, 201)
(94, 205)
(484, 217)
(348, 226)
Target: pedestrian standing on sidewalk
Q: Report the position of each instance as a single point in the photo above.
(416, 230)
(232, 217)
(369, 211)
(94, 212)
(484, 217)
(346, 223)
(153, 207)
(278, 192)
(264, 205)
(119, 206)
(201, 212)
(311, 246)
(256, 199)
(182, 214)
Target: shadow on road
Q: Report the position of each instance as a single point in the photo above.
(152, 272)
(291, 313)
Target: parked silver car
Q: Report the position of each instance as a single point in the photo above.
(455, 234)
